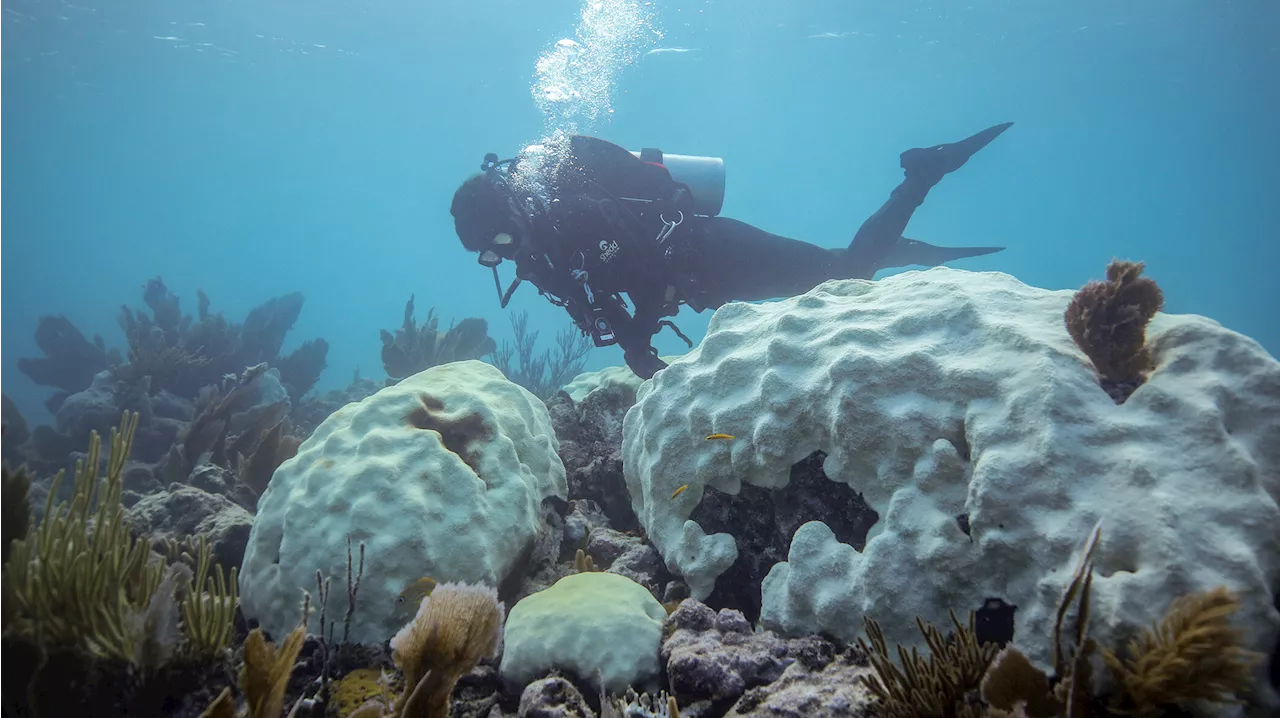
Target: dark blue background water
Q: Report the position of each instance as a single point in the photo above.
(251, 149)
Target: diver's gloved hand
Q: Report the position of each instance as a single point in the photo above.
(644, 362)
(934, 162)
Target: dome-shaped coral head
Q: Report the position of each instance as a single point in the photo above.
(1108, 321)
(456, 626)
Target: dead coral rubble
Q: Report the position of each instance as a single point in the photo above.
(1108, 321)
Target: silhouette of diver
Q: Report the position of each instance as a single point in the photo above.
(605, 222)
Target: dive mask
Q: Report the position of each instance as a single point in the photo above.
(503, 244)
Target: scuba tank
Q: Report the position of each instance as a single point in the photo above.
(703, 175)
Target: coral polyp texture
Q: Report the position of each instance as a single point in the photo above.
(596, 625)
(441, 475)
(958, 405)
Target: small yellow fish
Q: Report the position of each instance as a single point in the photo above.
(719, 436)
(413, 594)
(680, 490)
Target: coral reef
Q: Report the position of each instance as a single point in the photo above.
(14, 432)
(263, 678)
(1192, 656)
(719, 657)
(84, 597)
(416, 348)
(443, 474)
(927, 447)
(1108, 321)
(590, 433)
(942, 394)
(70, 361)
(182, 353)
(599, 626)
(456, 626)
(543, 374)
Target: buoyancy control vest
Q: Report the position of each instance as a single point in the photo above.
(610, 221)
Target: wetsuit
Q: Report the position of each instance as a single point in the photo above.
(608, 232)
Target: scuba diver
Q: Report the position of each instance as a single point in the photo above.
(587, 221)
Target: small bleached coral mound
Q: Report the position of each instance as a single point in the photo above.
(943, 394)
(619, 376)
(441, 475)
(600, 626)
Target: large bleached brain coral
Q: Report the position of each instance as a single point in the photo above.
(943, 394)
(441, 475)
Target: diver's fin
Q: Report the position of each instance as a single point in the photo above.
(908, 252)
(934, 162)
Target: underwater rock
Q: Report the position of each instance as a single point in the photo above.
(553, 697)
(213, 478)
(718, 656)
(590, 435)
(943, 392)
(140, 477)
(98, 408)
(478, 693)
(442, 475)
(584, 517)
(763, 521)
(185, 511)
(171, 406)
(630, 556)
(834, 690)
(44, 681)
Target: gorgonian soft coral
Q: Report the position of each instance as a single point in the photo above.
(1108, 321)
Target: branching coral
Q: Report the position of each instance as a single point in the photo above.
(632, 705)
(544, 374)
(70, 361)
(416, 348)
(80, 580)
(182, 353)
(1108, 321)
(456, 626)
(15, 521)
(273, 448)
(209, 607)
(263, 678)
(933, 687)
(79, 576)
(1193, 654)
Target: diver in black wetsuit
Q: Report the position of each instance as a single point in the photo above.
(605, 222)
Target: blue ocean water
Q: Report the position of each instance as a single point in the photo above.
(251, 149)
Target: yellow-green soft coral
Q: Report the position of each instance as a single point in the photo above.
(79, 577)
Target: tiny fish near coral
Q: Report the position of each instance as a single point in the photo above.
(413, 594)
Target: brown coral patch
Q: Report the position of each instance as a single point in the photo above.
(461, 435)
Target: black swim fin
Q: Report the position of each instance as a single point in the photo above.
(909, 252)
(934, 162)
